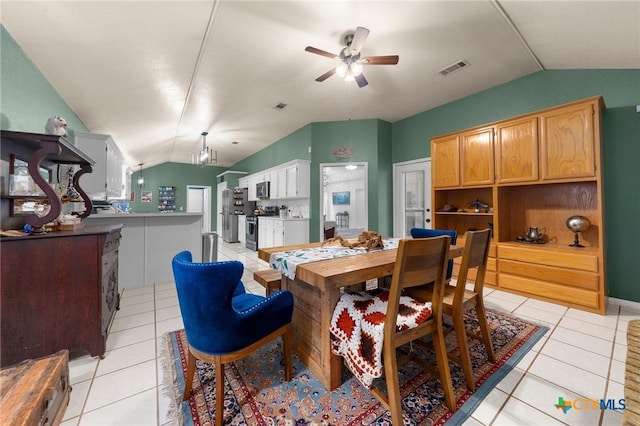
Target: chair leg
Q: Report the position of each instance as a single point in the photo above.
(443, 367)
(286, 347)
(393, 385)
(484, 327)
(219, 390)
(188, 379)
(463, 348)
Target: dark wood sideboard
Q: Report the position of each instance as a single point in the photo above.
(59, 291)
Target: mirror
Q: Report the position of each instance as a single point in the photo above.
(344, 201)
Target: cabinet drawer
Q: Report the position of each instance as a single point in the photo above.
(550, 291)
(571, 277)
(584, 262)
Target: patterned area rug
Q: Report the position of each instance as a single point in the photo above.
(257, 394)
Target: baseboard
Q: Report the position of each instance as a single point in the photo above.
(628, 304)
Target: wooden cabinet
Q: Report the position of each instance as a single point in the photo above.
(106, 181)
(476, 157)
(59, 291)
(48, 152)
(517, 151)
(547, 169)
(445, 162)
(567, 145)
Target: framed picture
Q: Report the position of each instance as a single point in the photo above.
(341, 198)
(146, 196)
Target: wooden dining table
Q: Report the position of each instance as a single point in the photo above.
(316, 289)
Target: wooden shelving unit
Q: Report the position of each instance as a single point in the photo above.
(38, 151)
(532, 170)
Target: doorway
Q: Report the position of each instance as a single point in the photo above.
(199, 201)
(411, 196)
(343, 198)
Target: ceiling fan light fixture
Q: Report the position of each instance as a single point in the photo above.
(341, 69)
(356, 68)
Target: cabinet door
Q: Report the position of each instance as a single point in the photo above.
(303, 180)
(445, 161)
(242, 229)
(251, 186)
(517, 151)
(282, 183)
(567, 143)
(292, 181)
(278, 233)
(476, 157)
(262, 233)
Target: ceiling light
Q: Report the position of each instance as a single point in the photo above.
(356, 68)
(206, 155)
(140, 178)
(351, 167)
(341, 70)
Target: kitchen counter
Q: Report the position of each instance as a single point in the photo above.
(283, 218)
(149, 242)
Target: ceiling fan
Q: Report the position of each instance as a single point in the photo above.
(350, 66)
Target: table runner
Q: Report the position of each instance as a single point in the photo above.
(287, 261)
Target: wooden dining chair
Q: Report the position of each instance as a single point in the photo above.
(418, 261)
(458, 300)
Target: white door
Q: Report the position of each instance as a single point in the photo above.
(411, 196)
(199, 201)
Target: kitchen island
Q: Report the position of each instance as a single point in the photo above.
(149, 242)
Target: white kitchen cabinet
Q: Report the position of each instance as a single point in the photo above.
(298, 180)
(275, 232)
(106, 180)
(242, 229)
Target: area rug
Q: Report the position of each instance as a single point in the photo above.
(257, 394)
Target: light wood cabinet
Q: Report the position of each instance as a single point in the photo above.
(476, 157)
(445, 162)
(567, 144)
(517, 151)
(547, 166)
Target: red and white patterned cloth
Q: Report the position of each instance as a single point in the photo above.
(357, 329)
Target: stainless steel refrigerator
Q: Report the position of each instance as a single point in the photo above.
(234, 203)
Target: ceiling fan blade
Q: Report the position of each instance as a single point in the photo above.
(358, 40)
(326, 75)
(381, 60)
(321, 52)
(361, 80)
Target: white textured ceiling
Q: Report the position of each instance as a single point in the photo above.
(155, 74)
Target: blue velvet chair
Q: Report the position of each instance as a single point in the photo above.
(222, 322)
(428, 233)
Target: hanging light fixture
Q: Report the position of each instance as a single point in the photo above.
(140, 178)
(206, 155)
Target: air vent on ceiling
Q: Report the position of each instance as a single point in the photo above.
(281, 106)
(454, 67)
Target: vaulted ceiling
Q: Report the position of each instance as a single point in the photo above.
(155, 74)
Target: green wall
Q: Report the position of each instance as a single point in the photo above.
(621, 145)
(27, 99)
(179, 175)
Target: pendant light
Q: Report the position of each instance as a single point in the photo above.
(140, 178)
(206, 155)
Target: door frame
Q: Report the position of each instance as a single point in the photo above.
(365, 194)
(206, 204)
(398, 194)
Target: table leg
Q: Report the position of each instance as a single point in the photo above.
(312, 314)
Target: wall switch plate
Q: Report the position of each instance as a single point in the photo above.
(637, 108)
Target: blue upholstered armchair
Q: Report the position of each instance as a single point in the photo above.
(428, 233)
(222, 322)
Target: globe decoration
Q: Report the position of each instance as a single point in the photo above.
(577, 224)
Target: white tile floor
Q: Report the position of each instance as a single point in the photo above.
(582, 356)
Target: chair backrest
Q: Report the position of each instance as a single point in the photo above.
(205, 293)
(419, 261)
(476, 253)
(428, 233)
